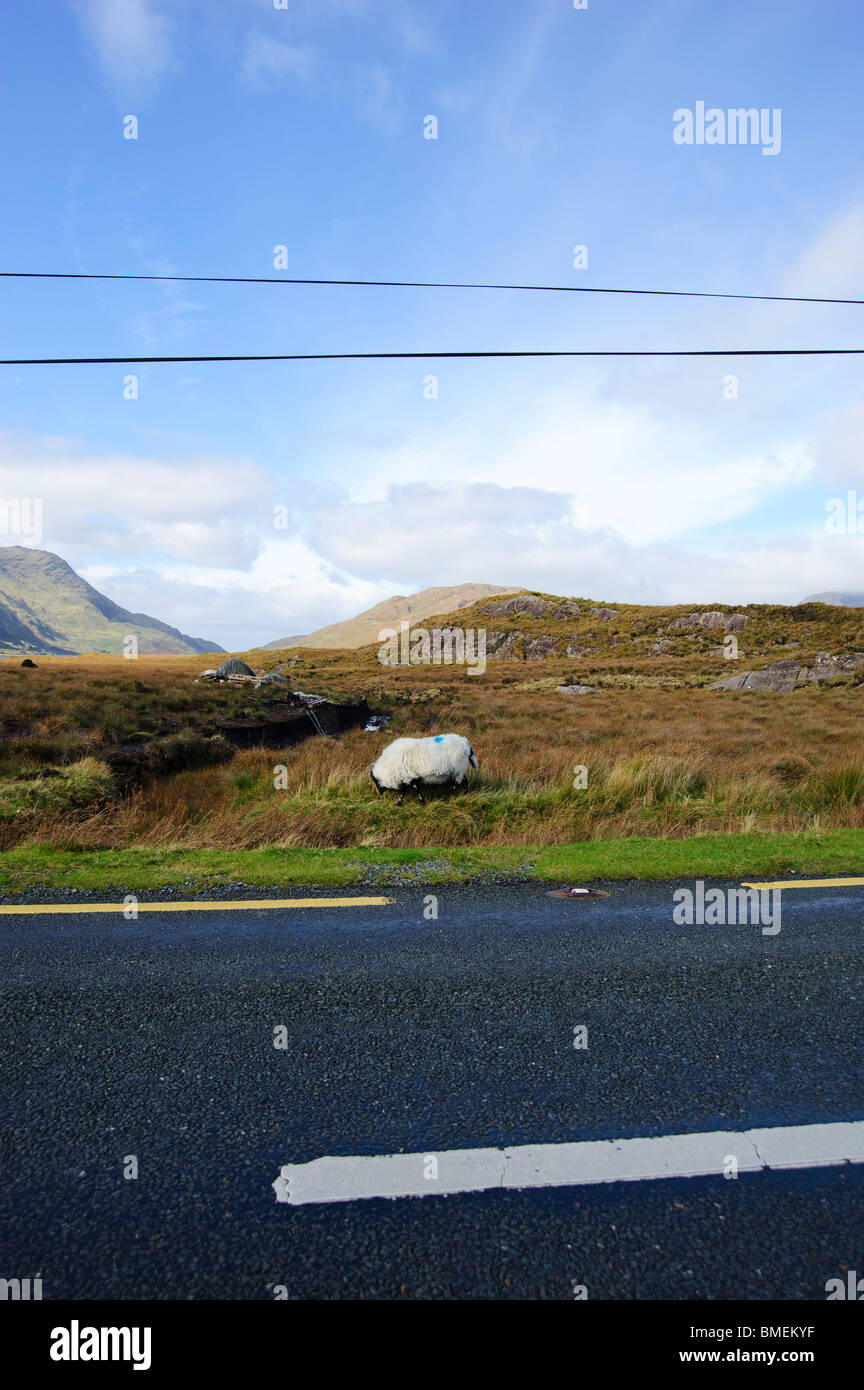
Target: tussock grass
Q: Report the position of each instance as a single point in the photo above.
(677, 762)
(78, 785)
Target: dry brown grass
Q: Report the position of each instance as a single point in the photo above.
(668, 762)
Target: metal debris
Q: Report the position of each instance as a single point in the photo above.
(577, 892)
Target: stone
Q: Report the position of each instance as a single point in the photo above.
(711, 620)
(522, 604)
(536, 648)
(781, 676)
(504, 646)
(828, 667)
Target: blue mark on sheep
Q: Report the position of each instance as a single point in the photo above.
(439, 738)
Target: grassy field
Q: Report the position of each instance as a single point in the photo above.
(666, 758)
(830, 852)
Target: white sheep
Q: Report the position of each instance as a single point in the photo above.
(409, 761)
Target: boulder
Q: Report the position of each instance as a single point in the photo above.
(735, 622)
(576, 649)
(782, 675)
(577, 689)
(604, 615)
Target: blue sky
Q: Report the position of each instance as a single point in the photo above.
(303, 127)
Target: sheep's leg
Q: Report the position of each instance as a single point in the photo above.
(416, 785)
(401, 794)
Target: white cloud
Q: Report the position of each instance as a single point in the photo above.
(840, 453)
(134, 40)
(833, 263)
(648, 476)
(203, 510)
(287, 590)
(439, 535)
(268, 61)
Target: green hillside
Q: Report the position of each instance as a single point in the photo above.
(532, 626)
(46, 608)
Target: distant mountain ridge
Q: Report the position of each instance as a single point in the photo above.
(45, 607)
(427, 603)
(840, 600)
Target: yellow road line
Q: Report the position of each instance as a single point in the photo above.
(228, 905)
(811, 883)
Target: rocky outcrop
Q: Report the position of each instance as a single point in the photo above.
(577, 690)
(604, 615)
(530, 606)
(536, 648)
(504, 646)
(730, 622)
(783, 675)
(575, 648)
(827, 667)
(786, 675)
(711, 620)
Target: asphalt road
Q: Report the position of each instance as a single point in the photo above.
(155, 1039)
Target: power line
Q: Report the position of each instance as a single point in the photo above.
(397, 356)
(422, 285)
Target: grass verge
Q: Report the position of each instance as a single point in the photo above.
(826, 852)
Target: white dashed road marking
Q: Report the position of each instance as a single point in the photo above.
(334, 1179)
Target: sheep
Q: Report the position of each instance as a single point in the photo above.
(409, 761)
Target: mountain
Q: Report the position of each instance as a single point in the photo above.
(841, 600)
(45, 607)
(360, 631)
